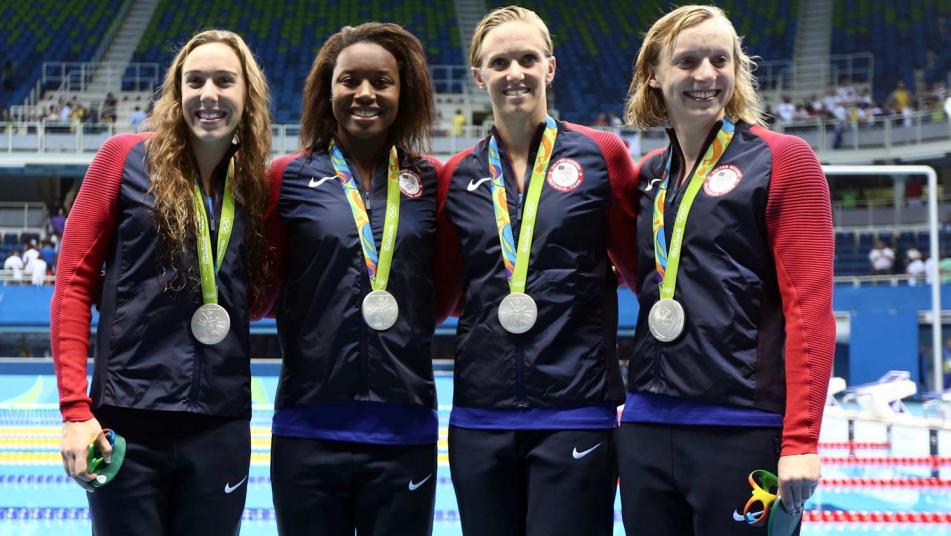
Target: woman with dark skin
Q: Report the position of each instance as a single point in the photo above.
(355, 429)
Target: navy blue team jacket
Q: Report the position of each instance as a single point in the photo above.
(146, 356)
(568, 359)
(330, 354)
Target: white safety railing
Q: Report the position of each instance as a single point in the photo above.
(932, 187)
(881, 133)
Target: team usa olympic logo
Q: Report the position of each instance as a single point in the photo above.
(410, 183)
(565, 175)
(722, 180)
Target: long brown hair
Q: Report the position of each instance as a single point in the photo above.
(645, 107)
(172, 166)
(411, 129)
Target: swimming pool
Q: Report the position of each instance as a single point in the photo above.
(896, 488)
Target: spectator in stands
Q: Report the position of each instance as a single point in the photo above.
(829, 103)
(30, 254)
(914, 190)
(944, 268)
(109, 105)
(58, 221)
(48, 255)
(930, 268)
(355, 419)
(14, 266)
(882, 258)
(64, 111)
(76, 116)
(458, 123)
(900, 101)
(814, 106)
(38, 271)
(136, 118)
(615, 122)
(786, 111)
(709, 400)
(914, 266)
(171, 375)
(537, 373)
(845, 92)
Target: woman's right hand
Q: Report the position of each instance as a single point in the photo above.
(74, 448)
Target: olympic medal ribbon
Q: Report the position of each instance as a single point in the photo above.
(670, 259)
(516, 260)
(208, 271)
(378, 264)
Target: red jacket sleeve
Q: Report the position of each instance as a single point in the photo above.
(447, 259)
(799, 226)
(274, 228)
(622, 215)
(86, 241)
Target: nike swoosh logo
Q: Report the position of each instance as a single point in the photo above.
(578, 455)
(473, 185)
(315, 183)
(413, 486)
(229, 488)
(651, 185)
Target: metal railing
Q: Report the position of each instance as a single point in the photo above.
(882, 133)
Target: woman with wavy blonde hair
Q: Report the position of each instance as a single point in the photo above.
(735, 334)
(175, 218)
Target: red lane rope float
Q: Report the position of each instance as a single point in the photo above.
(854, 445)
(933, 461)
(841, 516)
(908, 482)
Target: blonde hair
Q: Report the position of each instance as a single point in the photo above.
(645, 105)
(500, 16)
(172, 166)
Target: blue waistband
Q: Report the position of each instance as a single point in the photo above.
(663, 409)
(359, 422)
(602, 416)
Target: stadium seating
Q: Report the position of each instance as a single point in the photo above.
(601, 44)
(48, 30)
(899, 34)
(287, 35)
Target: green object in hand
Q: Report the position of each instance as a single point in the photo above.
(105, 472)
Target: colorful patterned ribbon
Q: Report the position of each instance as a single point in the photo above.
(378, 266)
(208, 271)
(666, 261)
(516, 261)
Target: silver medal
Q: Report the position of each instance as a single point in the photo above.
(380, 310)
(518, 312)
(666, 320)
(210, 323)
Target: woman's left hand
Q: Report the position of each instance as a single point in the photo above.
(798, 477)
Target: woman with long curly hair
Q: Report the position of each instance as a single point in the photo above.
(175, 218)
(355, 428)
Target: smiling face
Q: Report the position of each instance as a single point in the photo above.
(365, 92)
(515, 69)
(213, 94)
(696, 74)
